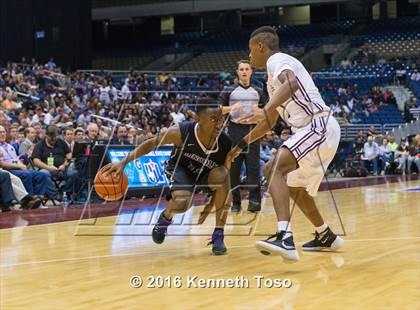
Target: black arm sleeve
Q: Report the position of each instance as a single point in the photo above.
(225, 96)
(263, 97)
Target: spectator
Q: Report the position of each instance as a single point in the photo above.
(121, 138)
(265, 154)
(414, 154)
(35, 182)
(19, 193)
(9, 104)
(392, 143)
(69, 138)
(410, 104)
(401, 75)
(284, 135)
(53, 156)
(370, 155)
(92, 132)
(27, 146)
(79, 135)
(401, 156)
(417, 152)
(415, 76)
(345, 63)
(37, 127)
(49, 116)
(354, 119)
(6, 192)
(177, 116)
(385, 155)
(84, 119)
(13, 135)
(104, 93)
(372, 132)
(273, 140)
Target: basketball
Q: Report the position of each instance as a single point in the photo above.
(110, 188)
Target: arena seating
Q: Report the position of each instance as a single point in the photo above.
(121, 63)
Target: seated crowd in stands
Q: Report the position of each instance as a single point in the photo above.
(44, 112)
(378, 154)
(348, 104)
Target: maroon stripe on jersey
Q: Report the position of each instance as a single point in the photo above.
(305, 94)
(302, 90)
(316, 144)
(303, 139)
(302, 105)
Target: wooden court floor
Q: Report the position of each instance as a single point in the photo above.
(89, 264)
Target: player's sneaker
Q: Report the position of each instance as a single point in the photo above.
(219, 247)
(236, 207)
(325, 240)
(160, 229)
(254, 206)
(285, 247)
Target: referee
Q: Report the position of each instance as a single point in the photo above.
(239, 100)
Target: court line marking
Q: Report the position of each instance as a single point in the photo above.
(116, 215)
(177, 251)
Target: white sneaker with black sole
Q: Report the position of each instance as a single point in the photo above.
(324, 241)
(284, 247)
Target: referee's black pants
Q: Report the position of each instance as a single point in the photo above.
(251, 156)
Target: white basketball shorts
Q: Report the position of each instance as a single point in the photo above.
(314, 147)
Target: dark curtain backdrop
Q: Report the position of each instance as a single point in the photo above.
(66, 24)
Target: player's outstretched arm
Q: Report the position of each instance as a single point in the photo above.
(264, 125)
(281, 95)
(170, 136)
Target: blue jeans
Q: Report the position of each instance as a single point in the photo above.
(35, 182)
(6, 189)
(69, 176)
(402, 163)
(385, 158)
(374, 162)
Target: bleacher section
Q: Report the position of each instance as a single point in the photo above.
(224, 49)
(394, 49)
(392, 38)
(121, 63)
(221, 61)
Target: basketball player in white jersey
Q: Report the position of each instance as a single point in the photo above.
(298, 168)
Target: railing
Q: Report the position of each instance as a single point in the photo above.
(415, 112)
(405, 130)
(351, 130)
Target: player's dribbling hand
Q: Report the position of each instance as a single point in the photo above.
(233, 153)
(257, 115)
(116, 168)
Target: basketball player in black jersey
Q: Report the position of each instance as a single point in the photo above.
(198, 160)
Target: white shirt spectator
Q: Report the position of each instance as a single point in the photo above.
(336, 109)
(104, 95)
(370, 151)
(384, 149)
(415, 76)
(83, 120)
(178, 117)
(350, 103)
(342, 91)
(48, 118)
(125, 93)
(346, 109)
(114, 93)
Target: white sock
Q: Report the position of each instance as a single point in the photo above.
(321, 228)
(285, 226)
